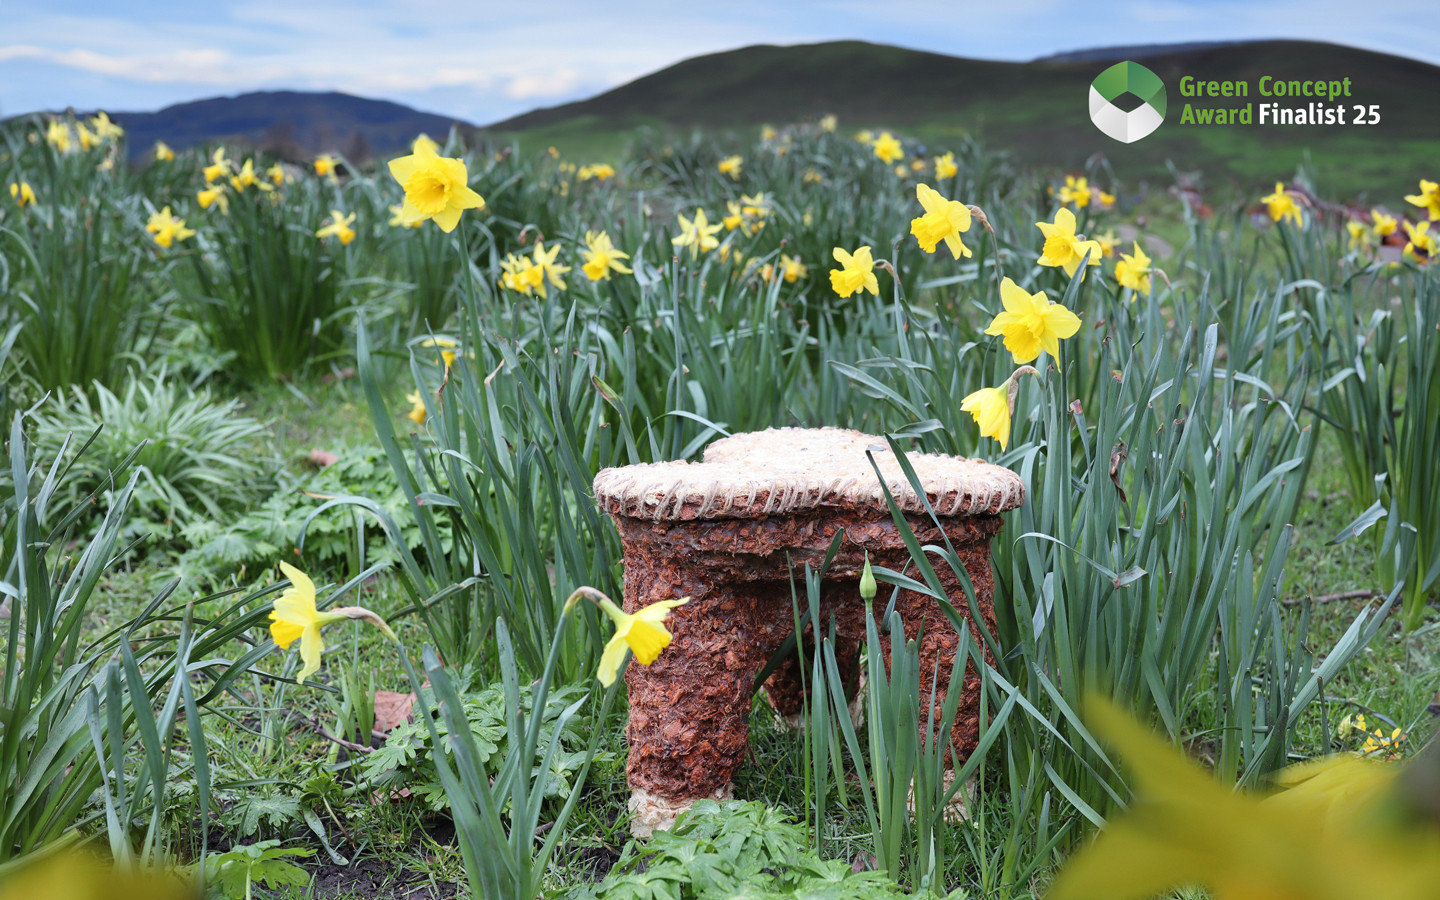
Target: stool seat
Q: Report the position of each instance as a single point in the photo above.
(785, 470)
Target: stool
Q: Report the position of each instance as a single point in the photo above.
(725, 532)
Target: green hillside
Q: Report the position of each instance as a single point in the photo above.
(1037, 110)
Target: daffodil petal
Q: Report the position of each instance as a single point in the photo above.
(448, 218)
(611, 659)
(311, 646)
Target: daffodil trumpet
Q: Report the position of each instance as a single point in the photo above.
(642, 632)
(993, 408)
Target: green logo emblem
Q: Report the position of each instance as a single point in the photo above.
(1127, 78)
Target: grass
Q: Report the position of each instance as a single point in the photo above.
(488, 513)
(412, 853)
(409, 853)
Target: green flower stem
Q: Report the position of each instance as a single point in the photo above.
(355, 612)
(616, 614)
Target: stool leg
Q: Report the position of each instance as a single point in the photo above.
(689, 721)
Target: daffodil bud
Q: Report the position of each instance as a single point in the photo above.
(867, 581)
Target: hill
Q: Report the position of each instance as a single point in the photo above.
(1036, 109)
(292, 123)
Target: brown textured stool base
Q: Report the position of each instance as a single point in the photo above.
(689, 711)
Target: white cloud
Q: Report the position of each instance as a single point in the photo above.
(536, 85)
(22, 51)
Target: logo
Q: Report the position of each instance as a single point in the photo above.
(1133, 79)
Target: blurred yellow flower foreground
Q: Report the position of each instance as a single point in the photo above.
(1335, 832)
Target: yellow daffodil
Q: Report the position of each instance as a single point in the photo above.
(856, 273)
(417, 412)
(1383, 225)
(554, 154)
(545, 262)
(1063, 247)
(436, 187)
(865, 136)
(1281, 205)
(1378, 743)
(1107, 242)
(901, 171)
(1075, 191)
(447, 348)
(519, 273)
(22, 193)
(397, 218)
(339, 227)
(945, 166)
(943, 221)
(990, 408)
(163, 153)
(792, 269)
(917, 165)
(733, 220)
(730, 165)
(276, 174)
(1133, 272)
(167, 229)
(601, 257)
(1031, 323)
(1428, 199)
(1360, 234)
(697, 234)
(767, 133)
(424, 140)
(812, 176)
(753, 210)
(88, 138)
(105, 129)
(325, 165)
(1104, 200)
(1421, 240)
(57, 133)
(887, 148)
(642, 632)
(294, 616)
(219, 166)
(214, 195)
(598, 171)
(829, 123)
(246, 177)
(1336, 831)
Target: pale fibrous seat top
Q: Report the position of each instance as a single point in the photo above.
(787, 470)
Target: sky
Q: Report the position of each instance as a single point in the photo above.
(482, 61)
